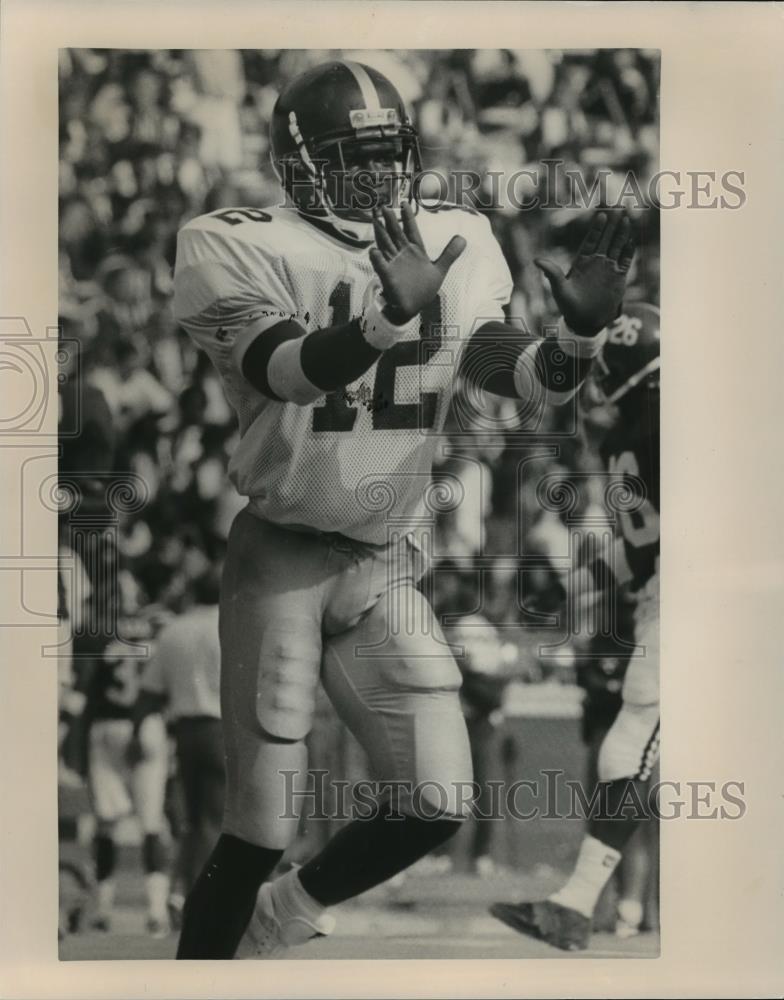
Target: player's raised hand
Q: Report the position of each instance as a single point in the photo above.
(590, 295)
(409, 278)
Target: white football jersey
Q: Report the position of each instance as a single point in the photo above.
(356, 461)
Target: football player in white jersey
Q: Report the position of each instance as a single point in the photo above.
(338, 325)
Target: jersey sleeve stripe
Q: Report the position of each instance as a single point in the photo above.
(286, 377)
(246, 337)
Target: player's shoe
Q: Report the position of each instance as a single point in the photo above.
(175, 904)
(484, 866)
(630, 914)
(268, 936)
(157, 928)
(101, 923)
(545, 920)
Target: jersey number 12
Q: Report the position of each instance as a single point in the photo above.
(336, 413)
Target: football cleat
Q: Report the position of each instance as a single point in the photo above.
(102, 923)
(547, 921)
(630, 914)
(267, 936)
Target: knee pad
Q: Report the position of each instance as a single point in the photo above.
(631, 747)
(441, 774)
(105, 854)
(154, 855)
(289, 663)
(266, 788)
(401, 700)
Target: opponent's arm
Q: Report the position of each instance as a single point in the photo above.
(497, 359)
(287, 363)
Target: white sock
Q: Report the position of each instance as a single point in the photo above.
(104, 892)
(595, 864)
(630, 911)
(157, 887)
(291, 899)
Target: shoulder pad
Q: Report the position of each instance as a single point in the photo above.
(275, 232)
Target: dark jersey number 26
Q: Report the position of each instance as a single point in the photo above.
(337, 413)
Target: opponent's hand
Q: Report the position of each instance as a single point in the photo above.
(590, 295)
(410, 280)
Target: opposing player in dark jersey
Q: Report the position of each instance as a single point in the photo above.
(337, 324)
(120, 785)
(628, 372)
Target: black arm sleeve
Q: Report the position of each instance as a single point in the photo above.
(330, 358)
(489, 358)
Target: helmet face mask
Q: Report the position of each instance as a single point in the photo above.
(355, 176)
(342, 145)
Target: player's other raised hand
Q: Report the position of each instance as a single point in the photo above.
(410, 280)
(590, 295)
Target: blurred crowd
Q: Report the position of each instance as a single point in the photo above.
(150, 139)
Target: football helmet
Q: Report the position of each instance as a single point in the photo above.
(319, 122)
(630, 355)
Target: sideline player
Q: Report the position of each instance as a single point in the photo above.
(120, 786)
(182, 677)
(337, 324)
(628, 374)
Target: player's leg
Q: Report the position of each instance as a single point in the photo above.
(148, 784)
(627, 757)
(270, 627)
(395, 684)
(202, 771)
(482, 738)
(105, 861)
(183, 874)
(213, 791)
(110, 801)
(633, 875)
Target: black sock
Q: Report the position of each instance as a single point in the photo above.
(220, 904)
(368, 852)
(154, 854)
(624, 804)
(105, 854)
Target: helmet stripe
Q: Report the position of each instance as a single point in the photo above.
(365, 84)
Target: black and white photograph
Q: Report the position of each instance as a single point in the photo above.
(389, 579)
(364, 659)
